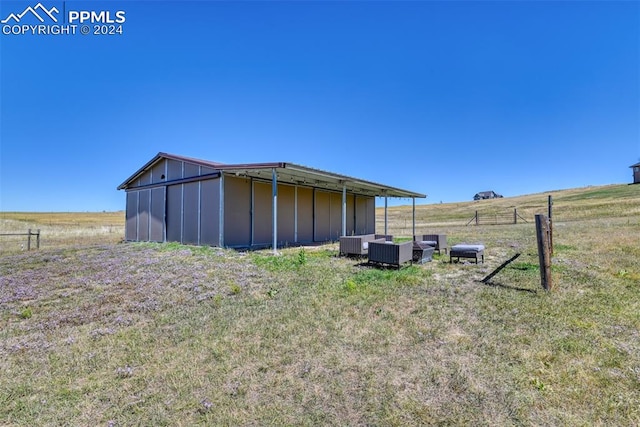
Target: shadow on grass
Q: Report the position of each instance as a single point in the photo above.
(501, 285)
(378, 266)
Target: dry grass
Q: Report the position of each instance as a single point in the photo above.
(60, 229)
(147, 334)
(568, 205)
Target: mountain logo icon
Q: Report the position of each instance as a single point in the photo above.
(38, 11)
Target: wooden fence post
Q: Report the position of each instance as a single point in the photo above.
(515, 215)
(29, 240)
(550, 202)
(476, 217)
(542, 234)
(38, 239)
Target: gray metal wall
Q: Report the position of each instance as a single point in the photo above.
(156, 218)
(131, 216)
(190, 212)
(193, 212)
(187, 213)
(210, 212)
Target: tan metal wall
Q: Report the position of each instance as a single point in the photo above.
(190, 212)
(262, 213)
(286, 214)
(305, 214)
(351, 215)
(335, 220)
(237, 215)
(322, 216)
(365, 215)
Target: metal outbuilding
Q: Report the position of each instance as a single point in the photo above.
(636, 173)
(180, 199)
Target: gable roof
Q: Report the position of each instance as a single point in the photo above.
(486, 193)
(633, 166)
(287, 173)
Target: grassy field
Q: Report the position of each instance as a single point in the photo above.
(118, 334)
(60, 229)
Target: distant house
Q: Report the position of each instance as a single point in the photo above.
(486, 195)
(636, 173)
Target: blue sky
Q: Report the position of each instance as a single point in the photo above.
(443, 98)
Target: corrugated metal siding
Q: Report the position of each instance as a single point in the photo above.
(158, 172)
(305, 215)
(237, 206)
(210, 212)
(156, 228)
(145, 179)
(322, 216)
(174, 169)
(191, 213)
(371, 215)
(286, 214)
(174, 213)
(336, 216)
(191, 170)
(144, 199)
(351, 215)
(131, 216)
(262, 213)
(361, 216)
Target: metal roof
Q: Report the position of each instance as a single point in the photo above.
(288, 173)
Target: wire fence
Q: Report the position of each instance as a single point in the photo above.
(497, 218)
(16, 239)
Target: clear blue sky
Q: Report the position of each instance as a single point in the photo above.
(443, 98)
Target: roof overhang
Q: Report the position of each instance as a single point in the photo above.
(290, 173)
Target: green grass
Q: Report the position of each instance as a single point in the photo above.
(152, 334)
